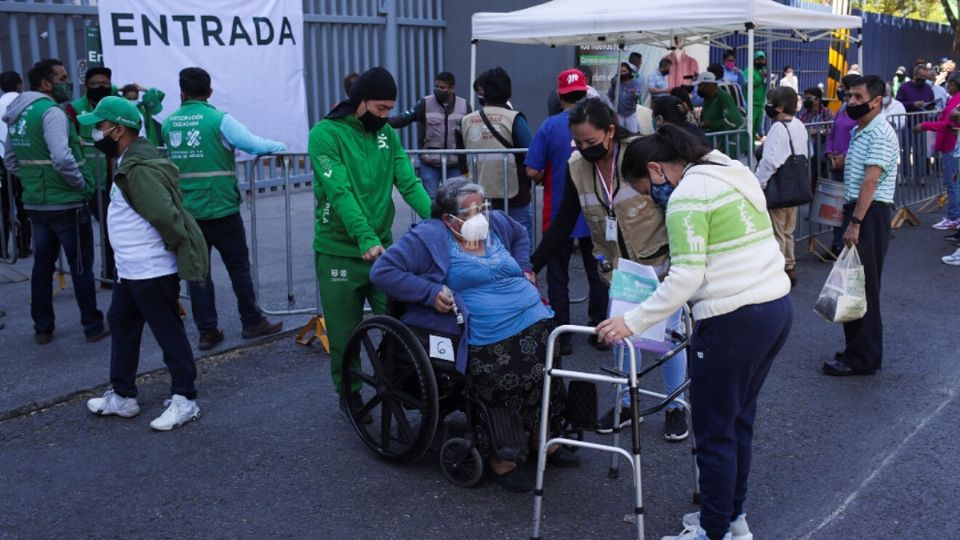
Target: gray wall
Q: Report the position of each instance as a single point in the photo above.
(533, 69)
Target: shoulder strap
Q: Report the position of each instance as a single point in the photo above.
(496, 134)
(789, 136)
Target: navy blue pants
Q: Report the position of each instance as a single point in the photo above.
(73, 231)
(731, 356)
(558, 280)
(229, 237)
(154, 302)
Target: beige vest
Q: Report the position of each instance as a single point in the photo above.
(640, 220)
(489, 167)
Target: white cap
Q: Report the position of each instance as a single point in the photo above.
(705, 77)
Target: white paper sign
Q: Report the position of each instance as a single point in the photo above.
(636, 281)
(253, 52)
(441, 348)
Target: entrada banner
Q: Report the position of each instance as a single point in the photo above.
(252, 50)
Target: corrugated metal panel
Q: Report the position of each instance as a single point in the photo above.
(340, 37)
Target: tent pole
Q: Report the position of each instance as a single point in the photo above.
(860, 50)
(616, 71)
(750, 133)
(473, 72)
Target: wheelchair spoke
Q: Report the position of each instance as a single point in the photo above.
(402, 425)
(408, 400)
(374, 401)
(373, 355)
(354, 372)
(384, 429)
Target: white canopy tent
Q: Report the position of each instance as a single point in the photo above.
(624, 22)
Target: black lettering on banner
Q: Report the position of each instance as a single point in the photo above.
(183, 20)
(238, 32)
(269, 26)
(115, 19)
(161, 32)
(286, 31)
(208, 32)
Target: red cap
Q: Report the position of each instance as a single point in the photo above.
(571, 80)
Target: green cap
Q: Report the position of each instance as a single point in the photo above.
(759, 54)
(113, 109)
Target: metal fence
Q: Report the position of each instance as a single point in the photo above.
(340, 37)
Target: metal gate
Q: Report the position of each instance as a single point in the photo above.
(340, 37)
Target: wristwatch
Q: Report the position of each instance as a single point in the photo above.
(855, 220)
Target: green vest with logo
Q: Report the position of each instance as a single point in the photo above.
(208, 170)
(42, 184)
(96, 160)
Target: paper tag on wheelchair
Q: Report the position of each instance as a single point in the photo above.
(441, 348)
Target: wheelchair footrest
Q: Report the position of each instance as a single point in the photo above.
(581, 409)
(506, 433)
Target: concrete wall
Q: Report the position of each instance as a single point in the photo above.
(533, 69)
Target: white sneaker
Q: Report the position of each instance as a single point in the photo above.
(946, 225)
(739, 530)
(180, 410)
(692, 532)
(113, 403)
(952, 260)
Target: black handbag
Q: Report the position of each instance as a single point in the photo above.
(790, 185)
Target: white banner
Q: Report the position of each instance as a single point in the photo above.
(253, 52)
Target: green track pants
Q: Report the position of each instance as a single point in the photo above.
(344, 285)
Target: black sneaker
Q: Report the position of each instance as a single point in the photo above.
(953, 238)
(605, 425)
(565, 347)
(563, 458)
(514, 480)
(675, 425)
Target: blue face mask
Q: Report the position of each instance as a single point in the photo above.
(661, 193)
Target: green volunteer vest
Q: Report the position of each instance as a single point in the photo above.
(208, 177)
(96, 160)
(42, 184)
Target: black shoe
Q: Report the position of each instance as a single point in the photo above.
(209, 339)
(605, 425)
(597, 344)
(792, 274)
(262, 328)
(42, 338)
(97, 336)
(108, 285)
(367, 419)
(563, 458)
(675, 424)
(565, 347)
(514, 480)
(838, 368)
(953, 238)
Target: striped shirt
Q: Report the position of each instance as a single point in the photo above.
(876, 144)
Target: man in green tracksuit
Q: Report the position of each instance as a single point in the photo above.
(357, 160)
(761, 77)
(720, 113)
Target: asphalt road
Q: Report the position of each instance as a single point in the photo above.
(872, 457)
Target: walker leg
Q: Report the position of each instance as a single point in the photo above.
(637, 476)
(542, 442)
(614, 471)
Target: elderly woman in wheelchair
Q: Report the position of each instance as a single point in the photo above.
(467, 268)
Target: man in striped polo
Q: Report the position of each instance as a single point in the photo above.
(870, 177)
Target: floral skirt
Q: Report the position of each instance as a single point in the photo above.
(509, 373)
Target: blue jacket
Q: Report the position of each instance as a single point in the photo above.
(414, 268)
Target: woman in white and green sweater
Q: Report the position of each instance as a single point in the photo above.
(726, 262)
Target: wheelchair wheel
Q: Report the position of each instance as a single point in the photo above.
(461, 462)
(398, 389)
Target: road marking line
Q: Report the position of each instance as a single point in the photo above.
(883, 464)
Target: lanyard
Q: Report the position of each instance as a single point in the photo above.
(613, 177)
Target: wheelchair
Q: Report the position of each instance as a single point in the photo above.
(409, 384)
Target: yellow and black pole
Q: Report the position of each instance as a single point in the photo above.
(839, 46)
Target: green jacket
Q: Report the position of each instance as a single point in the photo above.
(720, 113)
(148, 181)
(354, 173)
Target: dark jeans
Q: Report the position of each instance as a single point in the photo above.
(72, 230)
(11, 189)
(98, 207)
(864, 336)
(154, 302)
(228, 236)
(558, 278)
(731, 356)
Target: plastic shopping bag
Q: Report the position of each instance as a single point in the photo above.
(843, 297)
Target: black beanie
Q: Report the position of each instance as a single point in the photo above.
(376, 83)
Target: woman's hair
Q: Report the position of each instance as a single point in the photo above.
(668, 144)
(683, 95)
(596, 113)
(815, 92)
(671, 109)
(786, 97)
(449, 196)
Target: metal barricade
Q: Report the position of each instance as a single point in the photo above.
(734, 143)
(10, 224)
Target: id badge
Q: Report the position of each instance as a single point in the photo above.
(611, 229)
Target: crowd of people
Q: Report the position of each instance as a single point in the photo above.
(666, 195)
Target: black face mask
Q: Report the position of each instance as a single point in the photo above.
(441, 95)
(771, 111)
(108, 146)
(625, 77)
(667, 72)
(901, 77)
(372, 122)
(594, 153)
(96, 93)
(857, 112)
(808, 104)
